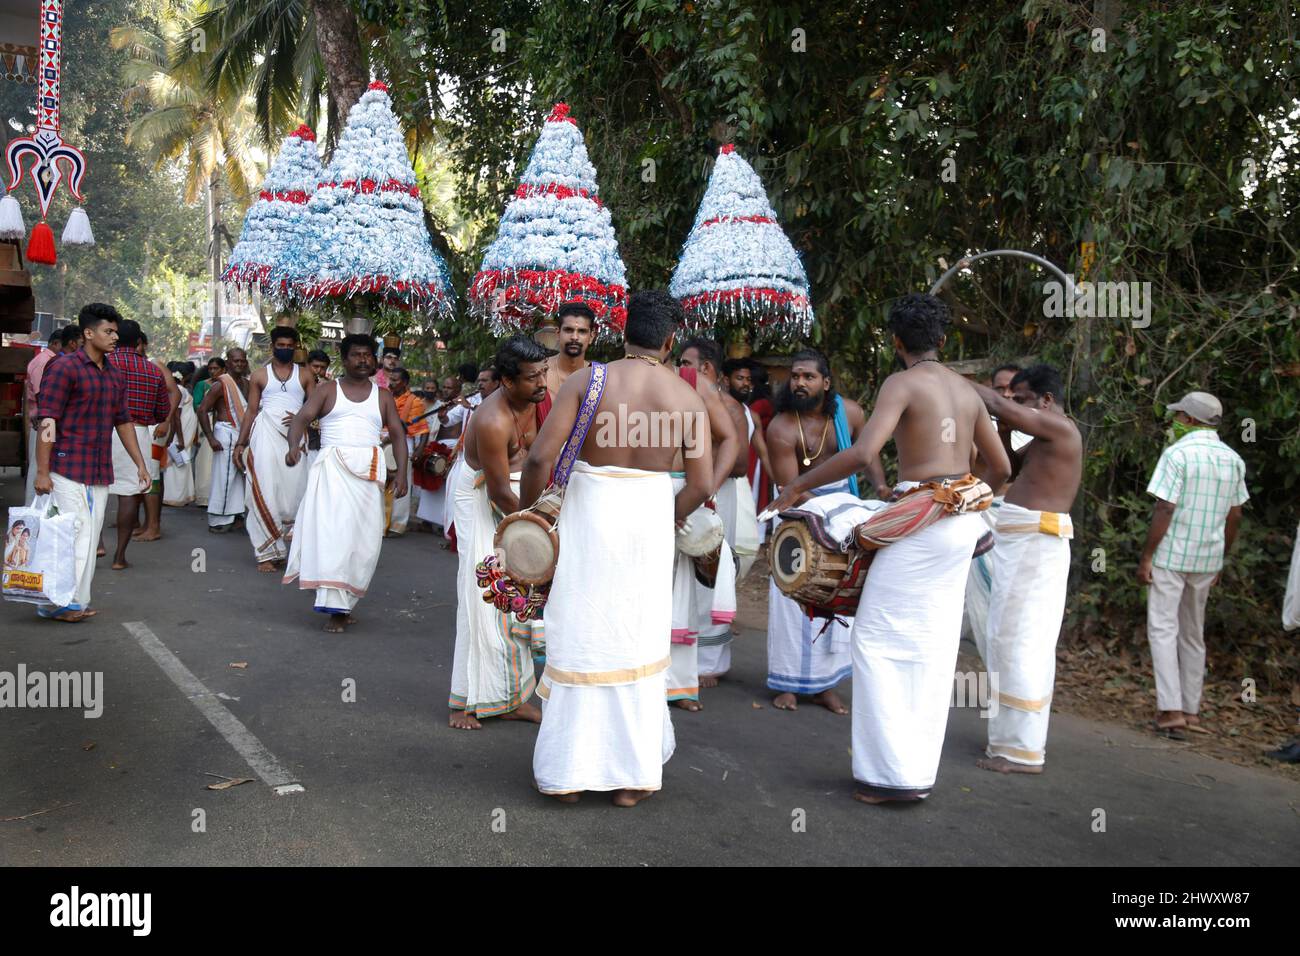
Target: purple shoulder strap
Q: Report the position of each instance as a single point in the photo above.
(581, 425)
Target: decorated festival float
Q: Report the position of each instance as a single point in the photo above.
(349, 240)
(738, 277)
(555, 244)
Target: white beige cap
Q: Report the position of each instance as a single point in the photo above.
(1202, 406)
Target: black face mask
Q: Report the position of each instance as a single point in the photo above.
(283, 355)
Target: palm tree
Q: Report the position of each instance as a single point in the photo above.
(291, 54)
(204, 131)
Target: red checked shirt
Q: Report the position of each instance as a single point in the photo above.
(146, 392)
(86, 403)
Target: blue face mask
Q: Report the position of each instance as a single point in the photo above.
(283, 355)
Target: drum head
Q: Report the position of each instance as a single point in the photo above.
(528, 548)
(437, 464)
(790, 554)
(701, 533)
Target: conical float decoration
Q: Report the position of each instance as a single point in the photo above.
(366, 233)
(556, 241)
(737, 268)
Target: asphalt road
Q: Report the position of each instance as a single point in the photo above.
(385, 781)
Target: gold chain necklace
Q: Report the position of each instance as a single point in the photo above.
(645, 358)
(804, 444)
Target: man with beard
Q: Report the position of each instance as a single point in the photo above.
(908, 621)
(811, 424)
(735, 506)
(339, 528)
(577, 330)
(492, 666)
(226, 400)
(274, 490)
(487, 383)
(739, 375)
(607, 725)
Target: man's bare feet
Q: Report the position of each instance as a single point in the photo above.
(463, 720)
(566, 797)
(709, 681)
(686, 704)
(876, 799)
(525, 711)
(831, 701)
(120, 565)
(266, 567)
(146, 536)
(1003, 765)
(336, 623)
(101, 551)
(786, 701)
(630, 798)
(72, 617)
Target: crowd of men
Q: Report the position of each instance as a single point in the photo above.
(318, 470)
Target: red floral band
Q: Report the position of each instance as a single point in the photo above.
(769, 296)
(717, 219)
(524, 291)
(553, 189)
(729, 148)
(370, 186)
(294, 196)
(378, 85)
(305, 132)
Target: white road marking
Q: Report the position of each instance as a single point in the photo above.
(261, 760)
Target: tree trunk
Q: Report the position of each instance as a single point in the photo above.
(214, 258)
(339, 42)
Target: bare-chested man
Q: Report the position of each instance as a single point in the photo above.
(577, 330)
(812, 423)
(735, 506)
(608, 620)
(492, 667)
(700, 612)
(225, 401)
(274, 490)
(908, 624)
(1030, 566)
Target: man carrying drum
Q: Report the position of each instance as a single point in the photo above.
(492, 668)
(812, 423)
(608, 619)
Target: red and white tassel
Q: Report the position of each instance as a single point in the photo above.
(40, 248)
(77, 231)
(11, 219)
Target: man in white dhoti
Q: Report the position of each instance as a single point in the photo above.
(272, 490)
(812, 423)
(1030, 565)
(225, 402)
(339, 527)
(606, 724)
(693, 601)
(908, 624)
(734, 505)
(203, 451)
(492, 672)
(178, 469)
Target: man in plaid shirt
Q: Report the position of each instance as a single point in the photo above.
(151, 397)
(1199, 485)
(82, 403)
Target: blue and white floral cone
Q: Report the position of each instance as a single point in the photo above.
(556, 241)
(737, 268)
(276, 222)
(366, 231)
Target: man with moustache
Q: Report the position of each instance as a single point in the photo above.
(492, 672)
(739, 377)
(811, 424)
(577, 330)
(226, 400)
(339, 528)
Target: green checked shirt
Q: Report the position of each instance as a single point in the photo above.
(1203, 478)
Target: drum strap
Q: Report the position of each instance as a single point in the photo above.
(581, 425)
